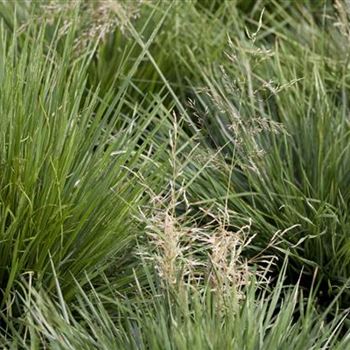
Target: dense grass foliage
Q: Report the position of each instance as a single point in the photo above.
(182, 319)
(68, 191)
(277, 111)
(206, 140)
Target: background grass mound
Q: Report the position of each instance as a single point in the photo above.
(204, 140)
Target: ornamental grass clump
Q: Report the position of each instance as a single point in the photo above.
(174, 174)
(67, 159)
(159, 318)
(275, 112)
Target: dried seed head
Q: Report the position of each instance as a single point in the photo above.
(96, 18)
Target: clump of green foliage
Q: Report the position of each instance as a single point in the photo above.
(205, 140)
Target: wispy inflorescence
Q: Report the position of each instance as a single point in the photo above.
(97, 18)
